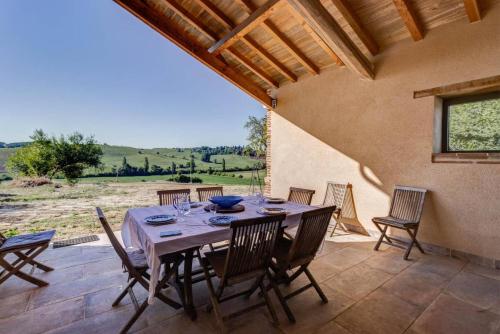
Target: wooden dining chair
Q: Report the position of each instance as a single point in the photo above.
(135, 264)
(336, 195)
(247, 258)
(166, 197)
(407, 204)
(25, 248)
(298, 254)
(300, 195)
(205, 193)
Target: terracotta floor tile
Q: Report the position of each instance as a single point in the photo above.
(358, 281)
(15, 304)
(389, 262)
(451, 315)
(380, 312)
(483, 271)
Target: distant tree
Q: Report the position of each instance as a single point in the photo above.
(156, 170)
(192, 164)
(174, 168)
(146, 165)
(210, 170)
(49, 156)
(223, 164)
(124, 163)
(257, 135)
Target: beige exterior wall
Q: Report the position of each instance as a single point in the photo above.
(374, 135)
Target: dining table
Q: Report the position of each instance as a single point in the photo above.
(195, 232)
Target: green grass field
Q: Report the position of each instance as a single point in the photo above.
(207, 179)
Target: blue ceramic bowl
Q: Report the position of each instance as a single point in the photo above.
(226, 202)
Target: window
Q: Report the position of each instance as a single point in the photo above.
(471, 123)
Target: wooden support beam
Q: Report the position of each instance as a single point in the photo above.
(315, 36)
(472, 86)
(329, 30)
(250, 42)
(473, 11)
(410, 19)
(353, 20)
(256, 18)
(249, 7)
(177, 36)
(204, 29)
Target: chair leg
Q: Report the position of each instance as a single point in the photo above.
(122, 295)
(281, 299)
(11, 270)
(268, 302)
(42, 266)
(134, 318)
(412, 242)
(213, 298)
(382, 236)
(316, 286)
(253, 288)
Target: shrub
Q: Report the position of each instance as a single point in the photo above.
(31, 182)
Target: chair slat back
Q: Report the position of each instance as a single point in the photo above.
(252, 244)
(300, 195)
(310, 234)
(166, 197)
(205, 193)
(407, 203)
(335, 194)
(114, 241)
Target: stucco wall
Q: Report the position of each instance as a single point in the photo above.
(373, 134)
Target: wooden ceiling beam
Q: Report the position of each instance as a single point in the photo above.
(249, 7)
(353, 20)
(204, 29)
(473, 11)
(177, 36)
(252, 44)
(316, 37)
(320, 20)
(252, 21)
(410, 19)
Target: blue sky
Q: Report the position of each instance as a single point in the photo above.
(90, 66)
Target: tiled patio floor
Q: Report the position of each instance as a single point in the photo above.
(369, 292)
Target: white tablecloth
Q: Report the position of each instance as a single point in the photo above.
(195, 233)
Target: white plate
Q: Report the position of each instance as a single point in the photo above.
(271, 211)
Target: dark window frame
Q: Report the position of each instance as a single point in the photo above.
(448, 102)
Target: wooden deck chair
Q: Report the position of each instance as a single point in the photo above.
(336, 195)
(166, 197)
(205, 193)
(299, 253)
(247, 258)
(135, 264)
(26, 248)
(407, 204)
(300, 195)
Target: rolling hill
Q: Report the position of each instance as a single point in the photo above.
(163, 157)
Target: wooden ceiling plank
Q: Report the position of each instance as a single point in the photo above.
(204, 29)
(320, 20)
(248, 63)
(158, 22)
(465, 87)
(249, 7)
(315, 36)
(252, 21)
(229, 24)
(290, 47)
(473, 11)
(353, 20)
(410, 19)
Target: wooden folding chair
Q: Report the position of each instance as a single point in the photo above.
(300, 195)
(247, 258)
(205, 193)
(26, 248)
(336, 195)
(166, 197)
(407, 204)
(135, 264)
(299, 253)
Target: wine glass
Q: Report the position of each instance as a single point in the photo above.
(186, 206)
